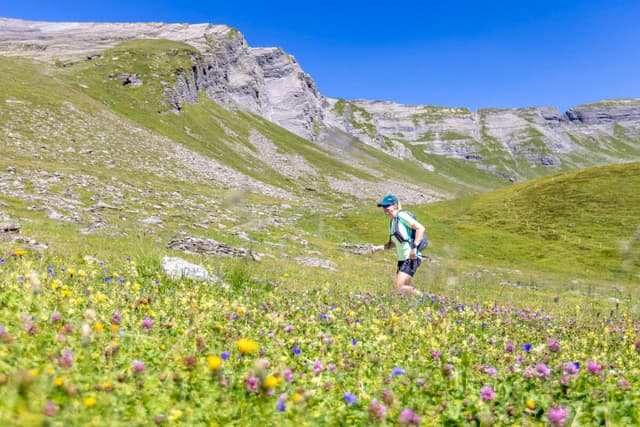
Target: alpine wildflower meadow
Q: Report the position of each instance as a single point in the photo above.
(86, 342)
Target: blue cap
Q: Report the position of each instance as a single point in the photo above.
(389, 199)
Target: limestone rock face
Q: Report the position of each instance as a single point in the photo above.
(623, 111)
(264, 81)
(270, 83)
(537, 136)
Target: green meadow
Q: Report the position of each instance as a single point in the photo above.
(528, 314)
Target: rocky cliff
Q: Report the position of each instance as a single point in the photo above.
(493, 137)
(511, 143)
(265, 81)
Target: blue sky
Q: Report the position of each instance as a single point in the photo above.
(466, 54)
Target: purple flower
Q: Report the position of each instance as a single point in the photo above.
(558, 415)
(509, 347)
(397, 371)
(296, 350)
(280, 406)
(56, 317)
(408, 416)
(350, 398)
(138, 367)
(571, 368)
(377, 411)
(526, 347)
(318, 367)
(332, 367)
(354, 342)
(287, 374)
(447, 370)
(225, 355)
(542, 370)
(528, 372)
(387, 396)
(50, 409)
(66, 359)
(288, 328)
(252, 384)
(436, 354)
(147, 323)
(487, 394)
(115, 319)
(594, 367)
(554, 345)
(491, 371)
(624, 384)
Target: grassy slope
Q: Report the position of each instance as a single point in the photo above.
(583, 223)
(215, 132)
(569, 226)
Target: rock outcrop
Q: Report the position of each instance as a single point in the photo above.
(533, 136)
(264, 81)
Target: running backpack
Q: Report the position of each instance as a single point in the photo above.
(411, 232)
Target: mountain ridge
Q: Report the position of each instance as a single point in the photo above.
(510, 144)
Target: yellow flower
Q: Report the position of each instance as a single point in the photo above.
(214, 362)
(98, 327)
(33, 373)
(270, 381)
(246, 346)
(89, 401)
(297, 397)
(531, 404)
(240, 310)
(58, 381)
(66, 292)
(19, 252)
(114, 328)
(72, 272)
(56, 284)
(175, 414)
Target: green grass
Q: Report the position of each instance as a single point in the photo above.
(610, 103)
(546, 232)
(572, 223)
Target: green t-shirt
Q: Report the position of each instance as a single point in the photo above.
(405, 223)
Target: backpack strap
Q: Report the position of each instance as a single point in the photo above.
(398, 234)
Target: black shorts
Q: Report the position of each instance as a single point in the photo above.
(409, 266)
